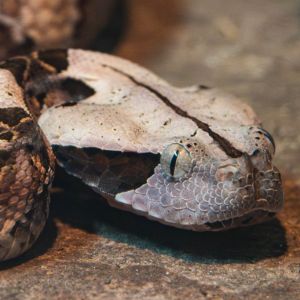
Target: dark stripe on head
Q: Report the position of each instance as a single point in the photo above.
(57, 58)
(109, 172)
(12, 115)
(17, 66)
(77, 89)
(224, 144)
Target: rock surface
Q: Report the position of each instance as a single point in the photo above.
(88, 250)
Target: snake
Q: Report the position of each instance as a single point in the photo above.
(193, 157)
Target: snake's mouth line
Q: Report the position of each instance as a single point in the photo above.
(251, 218)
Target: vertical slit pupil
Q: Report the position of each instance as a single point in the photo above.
(173, 162)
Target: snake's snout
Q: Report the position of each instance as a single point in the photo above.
(267, 182)
(217, 195)
(243, 191)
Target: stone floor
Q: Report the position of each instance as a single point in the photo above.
(88, 250)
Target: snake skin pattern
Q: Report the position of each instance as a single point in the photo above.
(194, 158)
(42, 24)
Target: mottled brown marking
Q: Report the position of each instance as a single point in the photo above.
(12, 115)
(7, 136)
(77, 89)
(39, 70)
(56, 58)
(51, 92)
(18, 67)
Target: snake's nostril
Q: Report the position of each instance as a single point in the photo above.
(260, 159)
(226, 173)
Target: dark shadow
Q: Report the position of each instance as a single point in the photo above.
(41, 246)
(110, 36)
(83, 209)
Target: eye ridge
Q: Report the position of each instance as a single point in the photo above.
(173, 162)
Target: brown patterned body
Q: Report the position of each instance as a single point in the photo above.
(26, 171)
(41, 24)
(26, 164)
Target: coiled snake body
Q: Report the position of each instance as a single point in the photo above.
(193, 158)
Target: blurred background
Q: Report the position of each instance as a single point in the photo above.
(249, 48)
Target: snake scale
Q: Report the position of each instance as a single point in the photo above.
(194, 158)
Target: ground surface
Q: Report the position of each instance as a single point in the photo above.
(89, 250)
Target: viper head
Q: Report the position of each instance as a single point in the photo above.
(193, 188)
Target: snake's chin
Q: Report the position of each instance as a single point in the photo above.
(251, 218)
(248, 219)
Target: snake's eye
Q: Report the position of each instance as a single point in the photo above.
(176, 160)
(269, 137)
